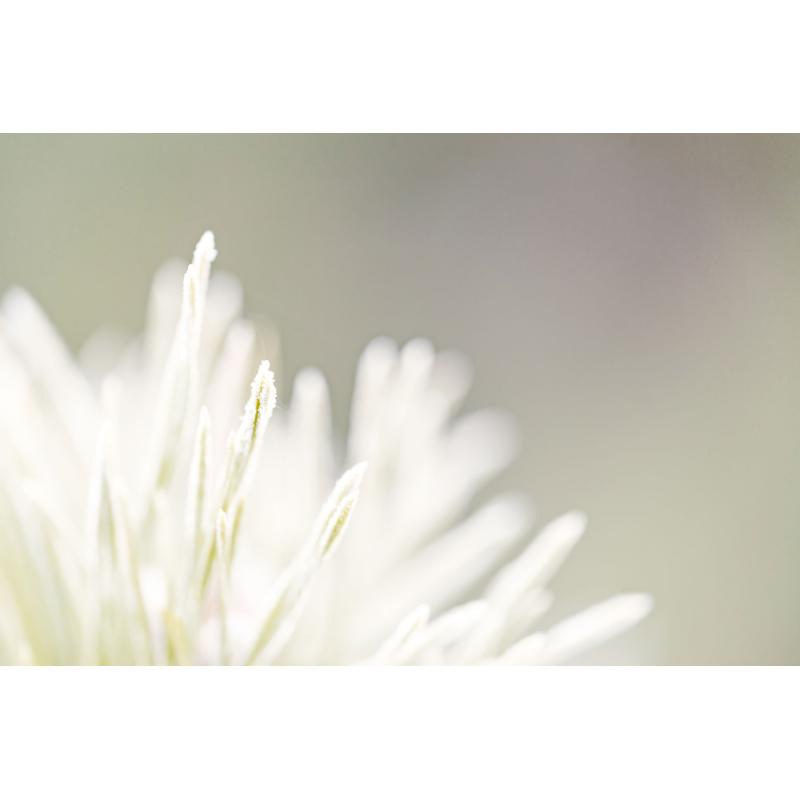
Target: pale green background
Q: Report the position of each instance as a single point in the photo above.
(635, 301)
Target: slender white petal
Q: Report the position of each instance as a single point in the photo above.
(293, 585)
(59, 385)
(448, 569)
(409, 626)
(430, 644)
(230, 378)
(243, 444)
(527, 574)
(594, 626)
(179, 383)
(542, 558)
(525, 652)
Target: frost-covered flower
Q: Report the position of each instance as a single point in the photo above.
(145, 519)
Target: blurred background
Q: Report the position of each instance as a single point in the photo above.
(633, 300)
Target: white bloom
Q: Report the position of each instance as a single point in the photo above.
(144, 518)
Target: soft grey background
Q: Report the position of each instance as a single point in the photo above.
(634, 300)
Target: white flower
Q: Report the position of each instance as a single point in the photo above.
(141, 523)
